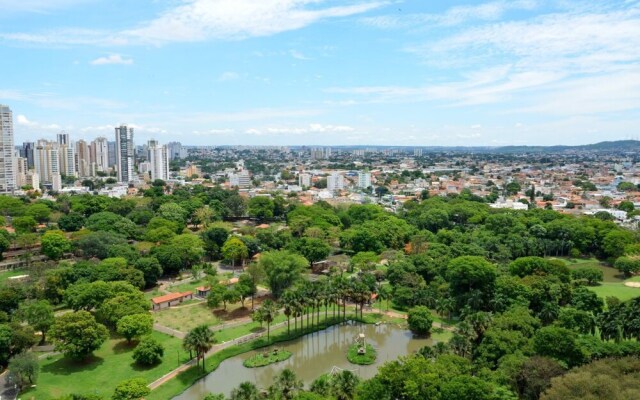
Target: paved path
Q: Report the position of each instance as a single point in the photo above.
(215, 349)
(8, 390)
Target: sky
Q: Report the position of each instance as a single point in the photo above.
(324, 72)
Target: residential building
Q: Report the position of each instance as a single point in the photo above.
(67, 155)
(176, 151)
(364, 179)
(7, 172)
(99, 154)
(241, 179)
(111, 154)
(27, 152)
(159, 159)
(83, 156)
(63, 139)
(47, 160)
(335, 181)
(304, 180)
(124, 153)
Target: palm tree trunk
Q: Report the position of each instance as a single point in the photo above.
(288, 326)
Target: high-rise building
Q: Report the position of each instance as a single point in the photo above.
(7, 164)
(364, 179)
(63, 138)
(125, 153)
(47, 161)
(67, 154)
(99, 154)
(176, 151)
(83, 158)
(240, 179)
(27, 152)
(417, 152)
(335, 181)
(159, 160)
(304, 180)
(111, 153)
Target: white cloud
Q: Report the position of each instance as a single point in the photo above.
(298, 55)
(113, 59)
(201, 20)
(23, 121)
(228, 76)
(453, 16)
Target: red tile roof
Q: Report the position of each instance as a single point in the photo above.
(170, 297)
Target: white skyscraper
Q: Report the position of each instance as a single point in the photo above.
(7, 163)
(335, 181)
(159, 160)
(304, 180)
(46, 161)
(364, 179)
(99, 153)
(125, 153)
(67, 154)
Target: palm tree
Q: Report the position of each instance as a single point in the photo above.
(287, 301)
(269, 312)
(445, 305)
(246, 391)
(385, 293)
(287, 384)
(344, 385)
(200, 340)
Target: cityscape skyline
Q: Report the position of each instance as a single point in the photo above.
(477, 73)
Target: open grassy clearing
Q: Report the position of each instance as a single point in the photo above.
(5, 275)
(102, 372)
(186, 318)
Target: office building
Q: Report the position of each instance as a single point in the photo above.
(335, 181)
(124, 153)
(63, 139)
(241, 179)
(176, 151)
(7, 163)
(158, 157)
(364, 179)
(111, 154)
(27, 152)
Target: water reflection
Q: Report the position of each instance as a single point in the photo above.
(313, 355)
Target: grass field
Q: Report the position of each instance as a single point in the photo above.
(186, 318)
(100, 374)
(5, 275)
(613, 280)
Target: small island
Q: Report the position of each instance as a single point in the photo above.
(361, 353)
(267, 358)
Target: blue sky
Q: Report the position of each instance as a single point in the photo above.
(324, 72)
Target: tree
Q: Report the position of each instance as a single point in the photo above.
(199, 340)
(135, 326)
(148, 352)
(97, 244)
(246, 391)
(282, 269)
(40, 212)
(245, 287)
(24, 224)
(628, 265)
(5, 244)
(181, 252)
(559, 343)
(230, 296)
(615, 241)
(591, 275)
(25, 367)
(468, 274)
(234, 249)
(343, 385)
(38, 314)
(626, 205)
(78, 334)
(287, 384)
(420, 320)
(203, 216)
(214, 238)
(261, 207)
(312, 249)
(55, 244)
(112, 310)
(364, 260)
(151, 270)
(131, 389)
(268, 312)
(173, 212)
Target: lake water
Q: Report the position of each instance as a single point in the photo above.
(313, 355)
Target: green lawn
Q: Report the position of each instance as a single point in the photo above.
(5, 275)
(618, 289)
(610, 274)
(100, 374)
(186, 318)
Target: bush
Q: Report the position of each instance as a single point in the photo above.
(148, 352)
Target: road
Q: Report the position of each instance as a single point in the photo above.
(8, 390)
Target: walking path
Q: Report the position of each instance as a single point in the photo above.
(8, 390)
(215, 349)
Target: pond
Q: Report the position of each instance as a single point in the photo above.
(313, 355)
